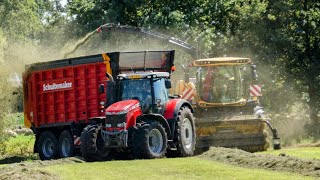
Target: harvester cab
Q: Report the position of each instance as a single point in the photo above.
(225, 95)
(140, 118)
(222, 81)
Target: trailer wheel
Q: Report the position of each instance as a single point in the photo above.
(184, 136)
(47, 146)
(92, 144)
(66, 146)
(150, 141)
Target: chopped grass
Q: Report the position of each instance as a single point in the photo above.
(300, 152)
(175, 168)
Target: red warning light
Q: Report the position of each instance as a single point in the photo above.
(173, 68)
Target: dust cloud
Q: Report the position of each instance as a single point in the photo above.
(17, 54)
(287, 107)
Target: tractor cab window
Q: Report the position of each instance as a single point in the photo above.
(139, 89)
(160, 91)
(220, 84)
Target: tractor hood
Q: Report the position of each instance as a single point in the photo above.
(122, 107)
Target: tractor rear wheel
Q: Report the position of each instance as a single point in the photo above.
(150, 141)
(66, 146)
(92, 144)
(185, 135)
(47, 146)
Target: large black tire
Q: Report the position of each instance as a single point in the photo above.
(92, 146)
(47, 146)
(66, 145)
(150, 141)
(185, 134)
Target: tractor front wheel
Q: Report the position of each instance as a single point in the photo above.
(185, 135)
(150, 141)
(92, 144)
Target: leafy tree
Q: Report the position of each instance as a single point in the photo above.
(297, 37)
(19, 19)
(2, 46)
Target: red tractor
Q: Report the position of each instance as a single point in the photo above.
(141, 119)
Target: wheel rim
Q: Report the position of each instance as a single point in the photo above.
(155, 141)
(48, 148)
(66, 147)
(186, 133)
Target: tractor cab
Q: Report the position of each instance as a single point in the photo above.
(149, 88)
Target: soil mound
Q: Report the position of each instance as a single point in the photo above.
(282, 162)
(28, 170)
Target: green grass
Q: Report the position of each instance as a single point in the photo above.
(176, 168)
(300, 152)
(17, 149)
(20, 145)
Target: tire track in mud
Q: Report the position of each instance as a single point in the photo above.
(283, 162)
(31, 171)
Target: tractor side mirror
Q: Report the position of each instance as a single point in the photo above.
(111, 90)
(254, 72)
(168, 84)
(101, 88)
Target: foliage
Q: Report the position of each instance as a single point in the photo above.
(20, 145)
(2, 46)
(19, 19)
(296, 38)
(6, 108)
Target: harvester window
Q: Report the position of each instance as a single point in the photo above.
(220, 84)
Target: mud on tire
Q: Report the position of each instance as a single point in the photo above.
(92, 146)
(47, 146)
(150, 141)
(184, 135)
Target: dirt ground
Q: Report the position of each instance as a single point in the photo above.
(282, 162)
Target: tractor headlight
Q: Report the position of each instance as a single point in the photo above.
(108, 125)
(121, 125)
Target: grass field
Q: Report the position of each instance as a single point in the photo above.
(167, 168)
(300, 152)
(176, 168)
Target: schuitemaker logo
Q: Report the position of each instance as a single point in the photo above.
(56, 86)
